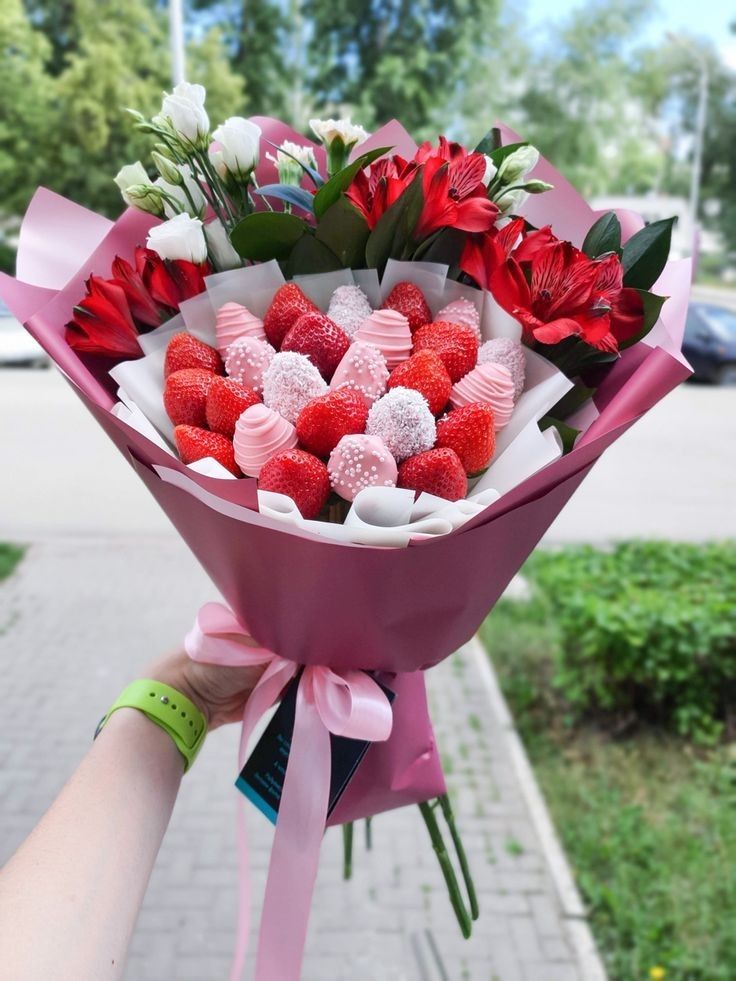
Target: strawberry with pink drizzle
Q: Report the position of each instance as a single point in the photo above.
(490, 383)
(261, 433)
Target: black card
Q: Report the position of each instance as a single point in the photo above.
(262, 777)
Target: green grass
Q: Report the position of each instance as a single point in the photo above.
(10, 556)
(648, 822)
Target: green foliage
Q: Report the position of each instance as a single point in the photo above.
(647, 821)
(10, 556)
(645, 632)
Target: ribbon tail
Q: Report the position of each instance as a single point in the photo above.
(262, 698)
(295, 855)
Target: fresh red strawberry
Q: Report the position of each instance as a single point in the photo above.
(287, 306)
(186, 351)
(437, 471)
(194, 444)
(185, 396)
(300, 476)
(456, 344)
(425, 373)
(409, 300)
(324, 421)
(469, 431)
(227, 400)
(323, 342)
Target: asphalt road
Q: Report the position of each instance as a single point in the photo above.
(673, 475)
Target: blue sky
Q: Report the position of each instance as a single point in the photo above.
(707, 18)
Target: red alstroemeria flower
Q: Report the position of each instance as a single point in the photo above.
(374, 193)
(455, 196)
(445, 150)
(483, 254)
(103, 323)
(169, 282)
(532, 242)
(569, 295)
(129, 277)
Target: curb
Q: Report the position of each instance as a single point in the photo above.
(581, 938)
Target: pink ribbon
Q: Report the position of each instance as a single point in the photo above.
(347, 703)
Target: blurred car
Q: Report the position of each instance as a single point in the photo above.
(17, 348)
(710, 343)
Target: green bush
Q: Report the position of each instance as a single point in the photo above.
(646, 631)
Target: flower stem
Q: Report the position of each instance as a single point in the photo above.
(347, 850)
(427, 810)
(462, 858)
(368, 834)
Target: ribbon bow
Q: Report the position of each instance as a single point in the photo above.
(347, 703)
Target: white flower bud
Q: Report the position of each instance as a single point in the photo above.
(129, 176)
(329, 130)
(185, 110)
(239, 146)
(288, 158)
(511, 201)
(490, 171)
(192, 202)
(146, 197)
(223, 254)
(518, 164)
(179, 238)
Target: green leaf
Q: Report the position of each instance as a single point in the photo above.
(604, 236)
(444, 246)
(393, 229)
(310, 256)
(335, 186)
(568, 434)
(652, 308)
(645, 254)
(267, 235)
(345, 232)
(490, 142)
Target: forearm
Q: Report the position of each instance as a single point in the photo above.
(70, 896)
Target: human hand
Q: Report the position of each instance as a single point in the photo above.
(220, 693)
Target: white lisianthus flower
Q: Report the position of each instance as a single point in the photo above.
(181, 237)
(287, 160)
(184, 108)
(511, 201)
(131, 175)
(239, 145)
(194, 207)
(223, 254)
(518, 164)
(490, 171)
(329, 130)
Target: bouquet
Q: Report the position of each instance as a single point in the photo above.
(362, 377)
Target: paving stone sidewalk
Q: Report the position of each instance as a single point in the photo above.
(79, 620)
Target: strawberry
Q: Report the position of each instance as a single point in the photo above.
(300, 476)
(288, 304)
(437, 471)
(409, 300)
(227, 400)
(425, 373)
(185, 396)
(469, 431)
(186, 351)
(194, 444)
(323, 342)
(456, 344)
(324, 421)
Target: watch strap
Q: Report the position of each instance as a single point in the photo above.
(169, 709)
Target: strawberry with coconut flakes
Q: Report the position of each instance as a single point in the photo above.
(470, 432)
(409, 300)
(194, 443)
(186, 351)
(456, 345)
(439, 472)
(299, 475)
(287, 306)
(324, 421)
(185, 396)
(425, 373)
(227, 400)
(320, 339)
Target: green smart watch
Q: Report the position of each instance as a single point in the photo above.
(169, 709)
